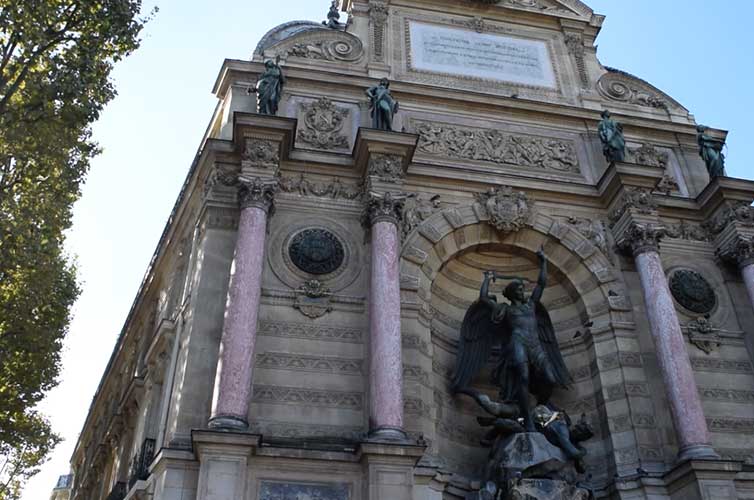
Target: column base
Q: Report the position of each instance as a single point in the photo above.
(387, 434)
(228, 423)
(697, 452)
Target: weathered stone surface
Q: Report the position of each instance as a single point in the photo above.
(545, 489)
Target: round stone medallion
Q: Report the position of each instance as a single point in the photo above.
(692, 291)
(316, 251)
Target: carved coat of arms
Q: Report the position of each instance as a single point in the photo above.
(508, 210)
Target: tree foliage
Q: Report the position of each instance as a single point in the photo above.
(55, 62)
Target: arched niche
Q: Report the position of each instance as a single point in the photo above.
(441, 270)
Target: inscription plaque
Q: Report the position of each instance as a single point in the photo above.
(487, 56)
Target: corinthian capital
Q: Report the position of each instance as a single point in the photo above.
(257, 193)
(740, 252)
(387, 207)
(641, 238)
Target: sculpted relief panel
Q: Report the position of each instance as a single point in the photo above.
(491, 145)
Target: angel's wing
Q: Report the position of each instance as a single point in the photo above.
(550, 345)
(475, 344)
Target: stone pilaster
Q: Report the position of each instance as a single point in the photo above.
(223, 464)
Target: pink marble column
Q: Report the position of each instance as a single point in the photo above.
(747, 269)
(677, 374)
(233, 379)
(386, 367)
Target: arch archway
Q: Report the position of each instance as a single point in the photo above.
(441, 269)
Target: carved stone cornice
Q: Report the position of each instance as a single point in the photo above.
(262, 142)
(640, 238)
(387, 207)
(257, 193)
(740, 251)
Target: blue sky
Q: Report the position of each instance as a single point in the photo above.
(699, 54)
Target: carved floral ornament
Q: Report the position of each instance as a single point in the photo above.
(323, 125)
(386, 167)
(387, 207)
(507, 210)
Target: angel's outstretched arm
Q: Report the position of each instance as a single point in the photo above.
(484, 292)
(542, 280)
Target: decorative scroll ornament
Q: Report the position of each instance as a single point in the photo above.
(386, 167)
(635, 199)
(313, 299)
(508, 211)
(641, 238)
(703, 335)
(647, 154)
(378, 12)
(328, 50)
(692, 291)
(740, 213)
(260, 153)
(498, 147)
(323, 122)
(316, 251)
(687, 231)
(335, 189)
(619, 86)
(257, 193)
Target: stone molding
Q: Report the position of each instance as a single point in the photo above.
(268, 394)
(257, 193)
(715, 365)
(309, 363)
(310, 331)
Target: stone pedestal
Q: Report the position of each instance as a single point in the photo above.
(389, 469)
(223, 464)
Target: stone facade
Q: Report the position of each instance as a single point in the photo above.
(298, 327)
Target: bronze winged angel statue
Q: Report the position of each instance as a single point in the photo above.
(530, 360)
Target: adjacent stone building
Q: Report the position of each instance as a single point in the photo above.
(298, 325)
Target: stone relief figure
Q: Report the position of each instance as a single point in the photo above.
(530, 359)
(269, 88)
(611, 135)
(711, 151)
(382, 106)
